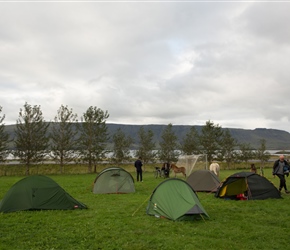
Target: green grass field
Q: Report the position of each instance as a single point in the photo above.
(120, 221)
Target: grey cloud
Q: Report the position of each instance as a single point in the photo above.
(180, 63)
(269, 21)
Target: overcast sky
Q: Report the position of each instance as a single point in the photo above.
(149, 62)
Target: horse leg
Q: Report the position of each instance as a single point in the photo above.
(183, 171)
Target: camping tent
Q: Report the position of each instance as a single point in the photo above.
(203, 181)
(114, 180)
(37, 193)
(176, 200)
(254, 186)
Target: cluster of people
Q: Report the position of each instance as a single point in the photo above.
(281, 169)
(139, 171)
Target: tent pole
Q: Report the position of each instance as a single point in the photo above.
(249, 191)
(141, 205)
(202, 217)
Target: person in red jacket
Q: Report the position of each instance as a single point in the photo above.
(279, 170)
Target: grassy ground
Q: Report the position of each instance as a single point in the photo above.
(120, 221)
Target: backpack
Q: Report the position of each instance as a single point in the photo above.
(286, 170)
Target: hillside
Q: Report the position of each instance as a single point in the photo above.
(275, 139)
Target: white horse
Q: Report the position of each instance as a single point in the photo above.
(215, 167)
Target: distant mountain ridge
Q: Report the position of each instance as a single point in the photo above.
(275, 139)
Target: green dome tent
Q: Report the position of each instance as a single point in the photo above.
(176, 200)
(203, 181)
(114, 180)
(37, 193)
(250, 185)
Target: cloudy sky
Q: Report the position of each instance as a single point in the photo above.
(149, 62)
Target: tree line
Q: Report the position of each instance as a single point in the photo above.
(85, 141)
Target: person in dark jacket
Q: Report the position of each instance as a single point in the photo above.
(165, 169)
(138, 165)
(253, 168)
(278, 169)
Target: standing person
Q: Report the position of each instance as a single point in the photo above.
(138, 166)
(278, 169)
(253, 168)
(165, 168)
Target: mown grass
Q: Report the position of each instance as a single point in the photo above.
(120, 221)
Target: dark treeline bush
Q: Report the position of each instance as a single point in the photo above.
(68, 141)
